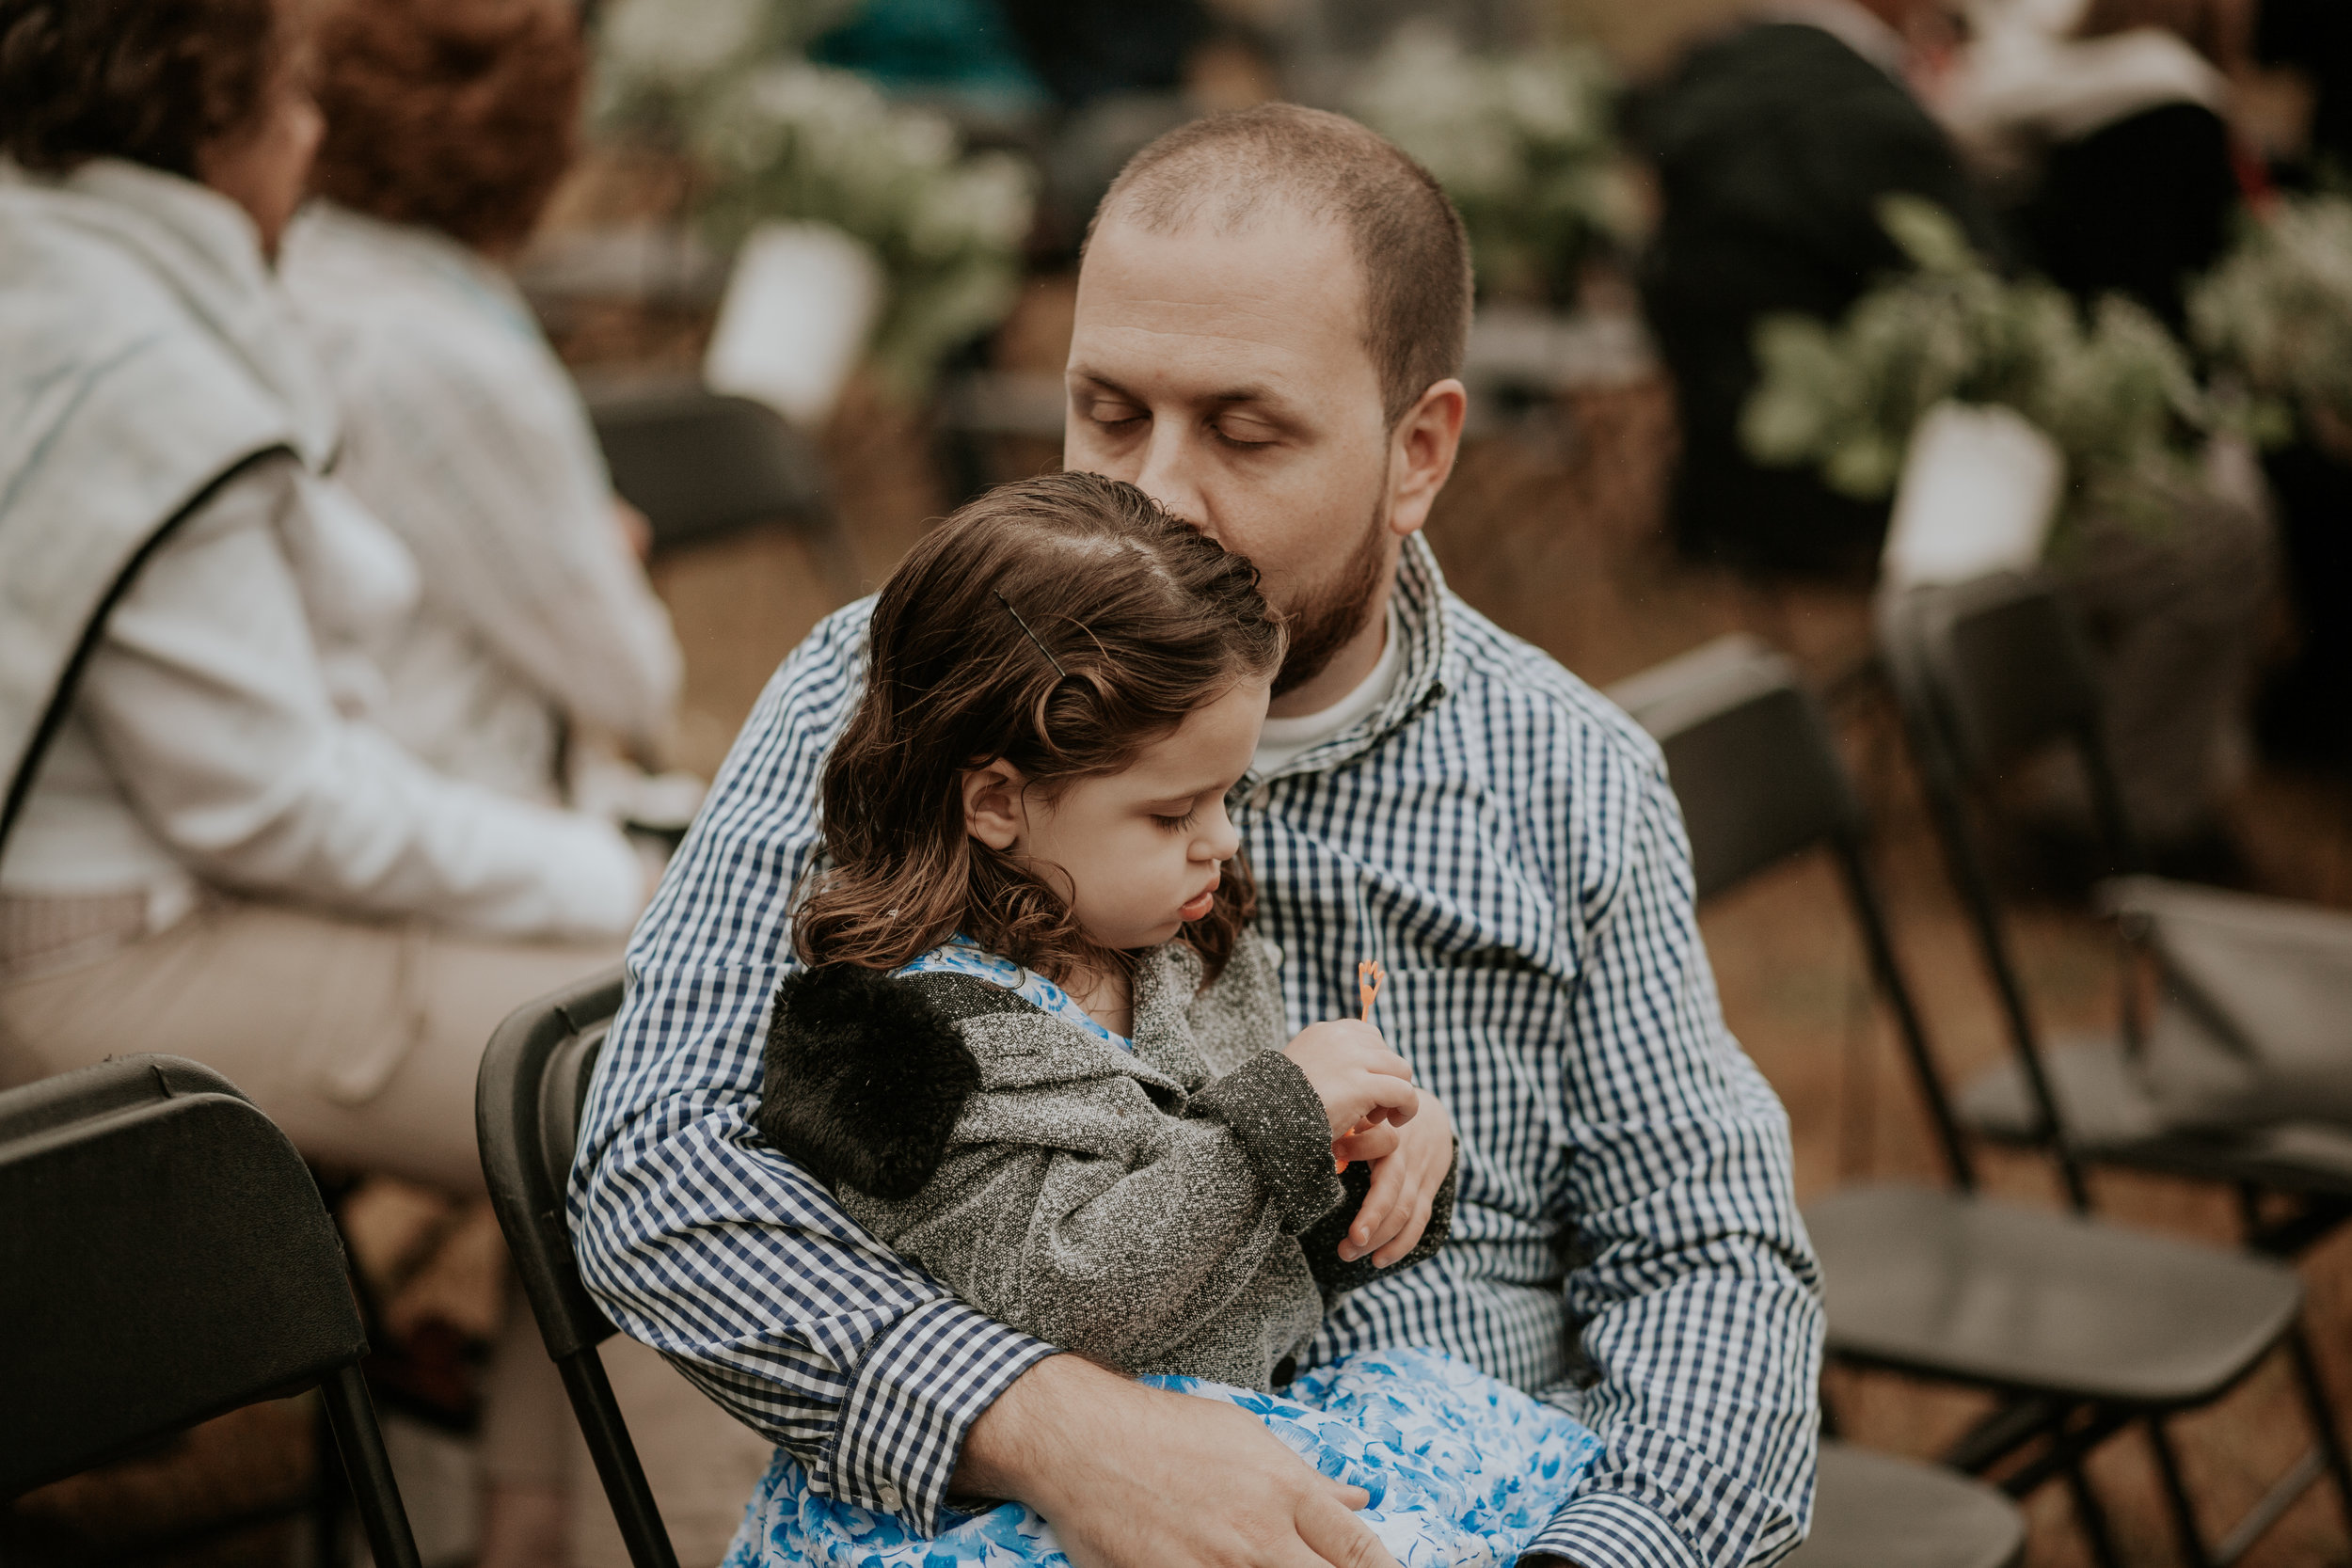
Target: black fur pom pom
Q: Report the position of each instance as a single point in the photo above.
(865, 1079)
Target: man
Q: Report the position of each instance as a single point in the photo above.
(1773, 146)
(1270, 313)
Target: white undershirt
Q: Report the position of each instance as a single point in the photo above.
(1284, 741)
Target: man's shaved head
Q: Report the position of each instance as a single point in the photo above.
(1225, 170)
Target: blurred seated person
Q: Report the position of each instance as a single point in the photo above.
(448, 123)
(2105, 119)
(2305, 708)
(2106, 116)
(210, 849)
(1773, 145)
(2312, 39)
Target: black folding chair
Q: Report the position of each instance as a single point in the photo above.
(527, 1100)
(2082, 1328)
(164, 1258)
(1875, 1510)
(701, 465)
(1987, 673)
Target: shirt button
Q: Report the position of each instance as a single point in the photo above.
(888, 1497)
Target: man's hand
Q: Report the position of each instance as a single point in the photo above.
(1131, 1477)
(1354, 1073)
(1395, 1211)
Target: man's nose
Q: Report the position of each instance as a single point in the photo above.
(1169, 474)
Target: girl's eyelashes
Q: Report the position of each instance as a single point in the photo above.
(1177, 824)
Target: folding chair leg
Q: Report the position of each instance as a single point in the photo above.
(624, 1485)
(374, 1490)
(2176, 1496)
(331, 1497)
(2323, 1418)
(2093, 1516)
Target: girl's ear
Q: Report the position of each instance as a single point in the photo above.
(993, 809)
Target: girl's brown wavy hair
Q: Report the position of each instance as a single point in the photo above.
(1148, 619)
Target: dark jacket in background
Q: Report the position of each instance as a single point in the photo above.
(2136, 207)
(1773, 147)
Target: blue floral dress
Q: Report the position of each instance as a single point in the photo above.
(1463, 1472)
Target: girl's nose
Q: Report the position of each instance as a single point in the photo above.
(1221, 841)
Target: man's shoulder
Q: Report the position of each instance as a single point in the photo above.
(827, 667)
(1553, 708)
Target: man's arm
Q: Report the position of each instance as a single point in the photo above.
(701, 1240)
(705, 1244)
(1697, 1288)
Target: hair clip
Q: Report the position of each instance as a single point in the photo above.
(1032, 636)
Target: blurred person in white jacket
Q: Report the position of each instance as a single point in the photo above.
(207, 846)
(448, 123)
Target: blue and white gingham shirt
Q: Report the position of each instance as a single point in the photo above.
(1505, 842)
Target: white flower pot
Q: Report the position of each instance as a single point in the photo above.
(800, 305)
(1979, 490)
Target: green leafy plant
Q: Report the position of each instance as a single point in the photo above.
(2277, 312)
(1525, 145)
(2114, 392)
(771, 136)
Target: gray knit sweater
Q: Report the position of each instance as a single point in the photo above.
(1174, 1210)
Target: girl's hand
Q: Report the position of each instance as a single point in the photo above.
(1354, 1073)
(1396, 1210)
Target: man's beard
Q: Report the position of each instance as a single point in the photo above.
(1329, 620)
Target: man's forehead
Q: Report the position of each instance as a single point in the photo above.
(1272, 296)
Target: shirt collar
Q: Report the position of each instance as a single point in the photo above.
(1425, 651)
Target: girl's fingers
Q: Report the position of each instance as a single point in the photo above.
(1376, 1142)
(1392, 1100)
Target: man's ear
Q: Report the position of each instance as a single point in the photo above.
(1420, 453)
(993, 808)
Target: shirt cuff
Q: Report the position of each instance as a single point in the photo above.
(917, 1394)
(1603, 1531)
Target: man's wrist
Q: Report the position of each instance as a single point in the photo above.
(1019, 1446)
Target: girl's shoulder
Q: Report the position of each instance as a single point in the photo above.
(866, 1074)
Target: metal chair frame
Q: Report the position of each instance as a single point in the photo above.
(527, 1101)
(165, 1248)
(1961, 732)
(1746, 824)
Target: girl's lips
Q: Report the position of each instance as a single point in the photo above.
(1199, 906)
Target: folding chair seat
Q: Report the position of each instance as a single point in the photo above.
(164, 1258)
(2082, 1327)
(1995, 671)
(1876, 1511)
(527, 1101)
(701, 465)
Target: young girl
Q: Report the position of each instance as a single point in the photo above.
(1036, 1051)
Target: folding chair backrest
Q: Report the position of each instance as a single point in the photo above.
(527, 1115)
(527, 1103)
(1988, 672)
(165, 1258)
(700, 464)
(2001, 663)
(1750, 756)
